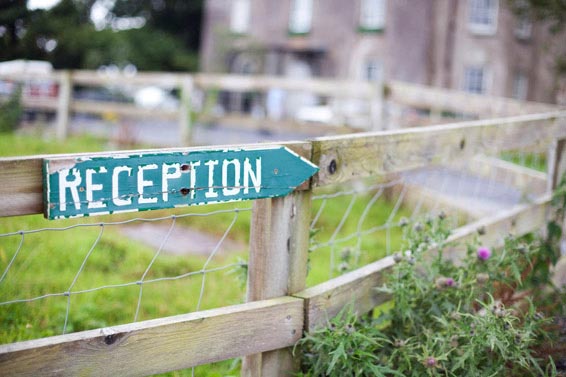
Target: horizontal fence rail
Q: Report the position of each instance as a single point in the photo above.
(184, 341)
(280, 305)
(400, 96)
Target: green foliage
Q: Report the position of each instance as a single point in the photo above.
(11, 112)
(345, 348)
(456, 319)
(65, 35)
(551, 11)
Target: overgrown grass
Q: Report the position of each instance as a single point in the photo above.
(48, 262)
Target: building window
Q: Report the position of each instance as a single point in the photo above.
(372, 15)
(240, 17)
(520, 86)
(372, 70)
(300, 16)
(523, 27)
(475, 80)
(482, 16)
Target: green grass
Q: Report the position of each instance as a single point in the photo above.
(536, 161)
(48, 262)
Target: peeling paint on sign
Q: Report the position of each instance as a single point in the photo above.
(137, 182)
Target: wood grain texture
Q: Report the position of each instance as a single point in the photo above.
(21, 192)
(324, 301)
(556, 162)
(123, 109)
(427, 97)
(246, 83)
(279, 239)
(185, 109)
(518, 221)
(527, 180)
(343, 158)
(63, 105)
(160, 345)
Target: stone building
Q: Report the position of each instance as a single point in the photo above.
(479, 46)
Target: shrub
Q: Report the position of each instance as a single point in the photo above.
(11, 112)
(470, 318)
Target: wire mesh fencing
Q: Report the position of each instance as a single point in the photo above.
(87, 274)
(358, 223)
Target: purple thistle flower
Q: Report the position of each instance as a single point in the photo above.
(444, 282)
(430, 362)
(449, 282)
(484, 253)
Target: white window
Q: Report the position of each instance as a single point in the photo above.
(300, 16)
(524, 27)
(240, 17)
(482, 16)
(372, 14)
(372, 70)
(475, 80)
(520, 86)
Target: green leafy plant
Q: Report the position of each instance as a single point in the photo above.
(474, 317)
(11, 111)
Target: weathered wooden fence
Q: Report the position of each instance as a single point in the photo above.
(385, 100)
(280, 307)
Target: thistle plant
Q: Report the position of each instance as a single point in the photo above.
(471, 318)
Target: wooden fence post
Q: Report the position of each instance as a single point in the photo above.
(279, 241)
(185, 121)
(63, 105)
(377, 106)
(556, 163)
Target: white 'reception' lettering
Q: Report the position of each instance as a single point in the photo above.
(255, 176)
(167, 176)
(211, 193)
(110, 188)
(73, 186)
(230, 188)
(193, 166)
(142, 184)
(116, 199)
(91, 187)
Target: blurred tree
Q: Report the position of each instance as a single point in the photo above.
(551, 11)
(152, 35)
(14, 15)
(181, 18)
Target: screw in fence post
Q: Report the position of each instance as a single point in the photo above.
(279, 239)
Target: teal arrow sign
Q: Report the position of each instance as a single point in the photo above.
(137, 182)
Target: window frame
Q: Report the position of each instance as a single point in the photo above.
(470, 83)
(520, 86)
(300, 17)
(240, 17)
(372, 64)
(372, 16)
(523, 27)
(478, 12)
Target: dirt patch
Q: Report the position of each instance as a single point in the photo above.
(181, 241)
